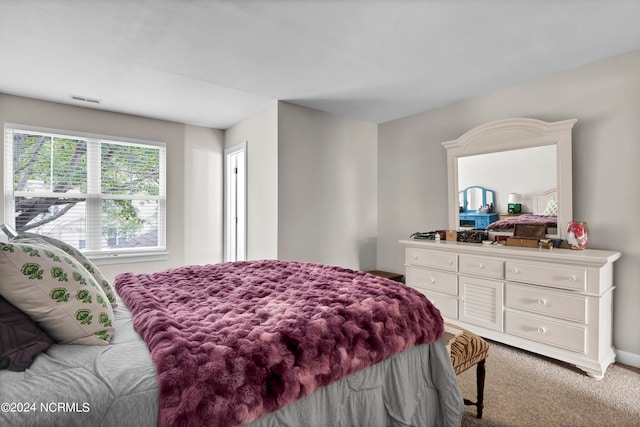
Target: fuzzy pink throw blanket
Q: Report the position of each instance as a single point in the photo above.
(235, 341)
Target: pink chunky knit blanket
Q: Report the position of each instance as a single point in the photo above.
(234, 341)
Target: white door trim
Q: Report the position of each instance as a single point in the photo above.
(235, 201)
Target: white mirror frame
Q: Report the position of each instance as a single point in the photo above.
(514, 134)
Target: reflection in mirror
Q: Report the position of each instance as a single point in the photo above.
(525, 171)
(474, 198)
(524, 156)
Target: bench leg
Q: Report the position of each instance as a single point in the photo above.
(480, 374)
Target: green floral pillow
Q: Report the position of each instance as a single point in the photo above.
(56, 291)
(79, 256)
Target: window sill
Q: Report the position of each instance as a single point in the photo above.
(125, 258)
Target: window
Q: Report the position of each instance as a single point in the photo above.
(102, 196)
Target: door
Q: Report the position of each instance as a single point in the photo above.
(236, 203)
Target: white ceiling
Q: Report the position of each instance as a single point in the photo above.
(212, 63)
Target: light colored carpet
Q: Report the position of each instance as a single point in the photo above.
(523, 389)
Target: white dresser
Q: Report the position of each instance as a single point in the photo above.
(557, 302)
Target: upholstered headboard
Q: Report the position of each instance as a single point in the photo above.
(539, 201)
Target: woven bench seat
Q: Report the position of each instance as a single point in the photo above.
(468, 349)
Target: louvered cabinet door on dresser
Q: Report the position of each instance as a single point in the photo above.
(557, 303)
(481, 291)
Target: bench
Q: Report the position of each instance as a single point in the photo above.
(467, 350)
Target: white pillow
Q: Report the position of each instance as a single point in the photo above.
(552, 208)
(56, 292)
(76, 254)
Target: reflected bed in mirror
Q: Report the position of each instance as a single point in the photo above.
(518, 155)
(544, 210)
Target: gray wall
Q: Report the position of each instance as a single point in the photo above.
(604, 97)
(203, 195)
(312, 186)
(327, 188)
(260, 132)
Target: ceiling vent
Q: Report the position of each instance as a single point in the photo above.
(85, 99)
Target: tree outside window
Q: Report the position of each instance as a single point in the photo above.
(95, 194)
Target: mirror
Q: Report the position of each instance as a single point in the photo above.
(521, 172)
(524, 159)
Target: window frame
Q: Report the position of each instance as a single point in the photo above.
(102, 256)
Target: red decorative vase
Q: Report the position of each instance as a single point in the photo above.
(577, 234)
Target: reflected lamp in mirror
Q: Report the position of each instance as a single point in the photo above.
(514, 204)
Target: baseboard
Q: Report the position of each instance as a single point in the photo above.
(627, 358)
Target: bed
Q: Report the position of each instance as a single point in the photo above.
(544, 210)
(260, 343)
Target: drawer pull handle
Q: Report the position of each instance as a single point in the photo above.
(449, 262)
(432, 280)
(542, 301)
(480, 265)
(572, 278)
(415, 257)
(515, 270)
(542, 330)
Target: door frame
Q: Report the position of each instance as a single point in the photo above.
(235, 198)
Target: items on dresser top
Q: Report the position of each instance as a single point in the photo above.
(577, 234)
(528, 235)
(469, 236)
(556, 303)
(424, 235)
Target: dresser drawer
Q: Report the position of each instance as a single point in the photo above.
(447, 304)
(435, 280)
(558, 277)
(488, 267)
(542, 301)
(546, 331)
(427, 258)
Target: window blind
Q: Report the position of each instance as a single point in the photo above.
(99, 194)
